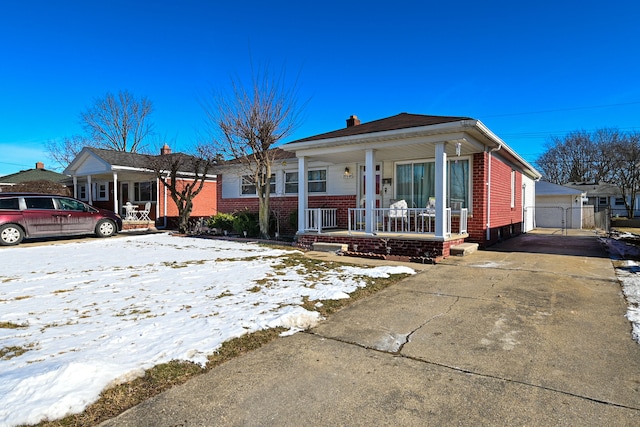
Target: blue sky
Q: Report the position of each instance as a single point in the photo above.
(528, 70)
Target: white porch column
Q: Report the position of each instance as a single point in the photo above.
(115, 192)
(75, 186)
(89, 192)
(302, 193)
(370, 189)
(441, 188)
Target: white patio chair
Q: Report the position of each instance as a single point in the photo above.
(144, 215)
(398, 211)
(130, 212)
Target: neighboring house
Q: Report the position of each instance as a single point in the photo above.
(605, 196)
(39, 173)
(558, 206)
(110, 179)
(458, 179)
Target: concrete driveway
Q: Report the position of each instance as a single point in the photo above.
(531, 332)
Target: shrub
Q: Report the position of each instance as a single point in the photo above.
(222, 221)
(246, 221)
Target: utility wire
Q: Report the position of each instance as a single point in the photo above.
(563, 109)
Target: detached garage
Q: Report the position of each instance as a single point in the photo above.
(557, 206)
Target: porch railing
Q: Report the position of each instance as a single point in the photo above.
(409, 220)
(320, 218)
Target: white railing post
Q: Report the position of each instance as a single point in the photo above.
(464, 214)
(447, 223)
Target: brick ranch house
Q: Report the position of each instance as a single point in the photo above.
(407, 185)
(110, 179)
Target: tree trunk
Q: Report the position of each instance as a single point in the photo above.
(263, 214)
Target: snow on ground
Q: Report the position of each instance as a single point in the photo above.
(97, 312)
(628, 272)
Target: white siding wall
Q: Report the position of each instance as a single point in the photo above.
(529, 202)
(558, 211)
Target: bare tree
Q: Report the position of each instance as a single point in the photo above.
(115, 122)
(63, 152)
(246, 124)
(606, 155)
(624, 160)
(184, 176)
(572, 158)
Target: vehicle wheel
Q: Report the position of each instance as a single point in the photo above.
(10, 235)
(105, 228)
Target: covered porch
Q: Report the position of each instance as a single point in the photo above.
(412, 188)
(407, 233)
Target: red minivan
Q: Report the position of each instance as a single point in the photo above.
(31, 215)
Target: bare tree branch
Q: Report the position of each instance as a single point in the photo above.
(248, 122)
(184, 176)
(118, 123)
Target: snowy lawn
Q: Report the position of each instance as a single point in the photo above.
(78, 317)
(626, 258)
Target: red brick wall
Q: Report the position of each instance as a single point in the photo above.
(505, 221)
(204, 204)
(372, 244)
(477, 220)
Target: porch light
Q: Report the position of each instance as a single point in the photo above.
(458, 147)
(347, 173)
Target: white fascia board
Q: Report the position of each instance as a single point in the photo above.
(533, 173)
(130, 169)
(380, 143)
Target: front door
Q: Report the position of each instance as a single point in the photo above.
(363, 181)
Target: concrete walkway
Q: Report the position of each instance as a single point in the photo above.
(531, 332)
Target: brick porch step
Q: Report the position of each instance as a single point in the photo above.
(463, 249)
(330, 247)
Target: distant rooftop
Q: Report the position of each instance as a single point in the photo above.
(39, 173)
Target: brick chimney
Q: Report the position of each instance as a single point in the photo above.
(353, 121)
(39, 165)
(165, 150)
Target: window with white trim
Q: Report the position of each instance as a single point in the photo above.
(291, 182)
(513, 189)
(82, 192)
(100, 190)
(415, 183)
(248, 185)
(317, 181)
(145, 191)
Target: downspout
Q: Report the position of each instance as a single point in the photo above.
(488, 237)
(164, 207)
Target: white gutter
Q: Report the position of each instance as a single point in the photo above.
(488, 237)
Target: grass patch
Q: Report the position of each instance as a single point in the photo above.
(7, 353)
(374, 285)
(11, 325)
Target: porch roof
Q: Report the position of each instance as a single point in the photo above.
(96, 161)
(407, 136)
